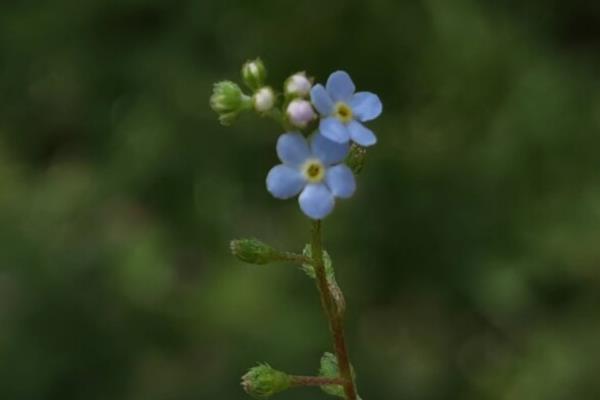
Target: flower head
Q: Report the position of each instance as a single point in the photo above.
(343, 110)
(300, 113)
(312, 169)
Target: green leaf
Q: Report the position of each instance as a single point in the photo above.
(334, 288)
(329, 369)
(310, 270)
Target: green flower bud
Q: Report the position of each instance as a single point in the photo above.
(253, 251)
(262, 381)
(356, 158)
(264, 100)
(228, 101)
(254, 74)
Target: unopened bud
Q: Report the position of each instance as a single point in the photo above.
(262, 381)
(264, 100)
(356, 158)
(254, 74)
(300, 113)
(228, 101)
(298, 85)
(253, 251)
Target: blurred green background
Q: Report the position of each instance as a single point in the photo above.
(469, 255)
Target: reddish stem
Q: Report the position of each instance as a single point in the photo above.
(335, 318)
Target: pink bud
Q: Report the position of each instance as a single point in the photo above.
(300, 113)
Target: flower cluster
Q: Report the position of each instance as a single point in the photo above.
(324, 126)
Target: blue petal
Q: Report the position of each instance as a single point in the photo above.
(316, 201)
(334, 130)
(292, 148)
(361, 135)
(340, 180)
(321, 100)
(366, 106)
(340, 86)
(284, 182)
(328, 151)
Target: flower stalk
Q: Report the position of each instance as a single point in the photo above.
(333, 313)
(300, 380)
(253, 251)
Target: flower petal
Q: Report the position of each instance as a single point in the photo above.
(340, 86)
(340, 181)
(328, 151)
(334, 130)
(361, 134)
(292, 149)
(366, 106)
(284, 182)
(321, 100)
(316, 201)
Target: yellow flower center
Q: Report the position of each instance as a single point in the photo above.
(314, 171)
(343, 112)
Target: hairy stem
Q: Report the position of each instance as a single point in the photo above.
(298, 380)
(294, 258)
(333, 314)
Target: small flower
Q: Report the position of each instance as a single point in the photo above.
(314, 170)
(343, 110)
(264, 100)
(254, 74)
(228, 101)
(298, 85)
(300, 113)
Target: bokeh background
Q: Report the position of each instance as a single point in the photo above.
(469, 255)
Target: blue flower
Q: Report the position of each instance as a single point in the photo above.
(343, 110)
(312, 169)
